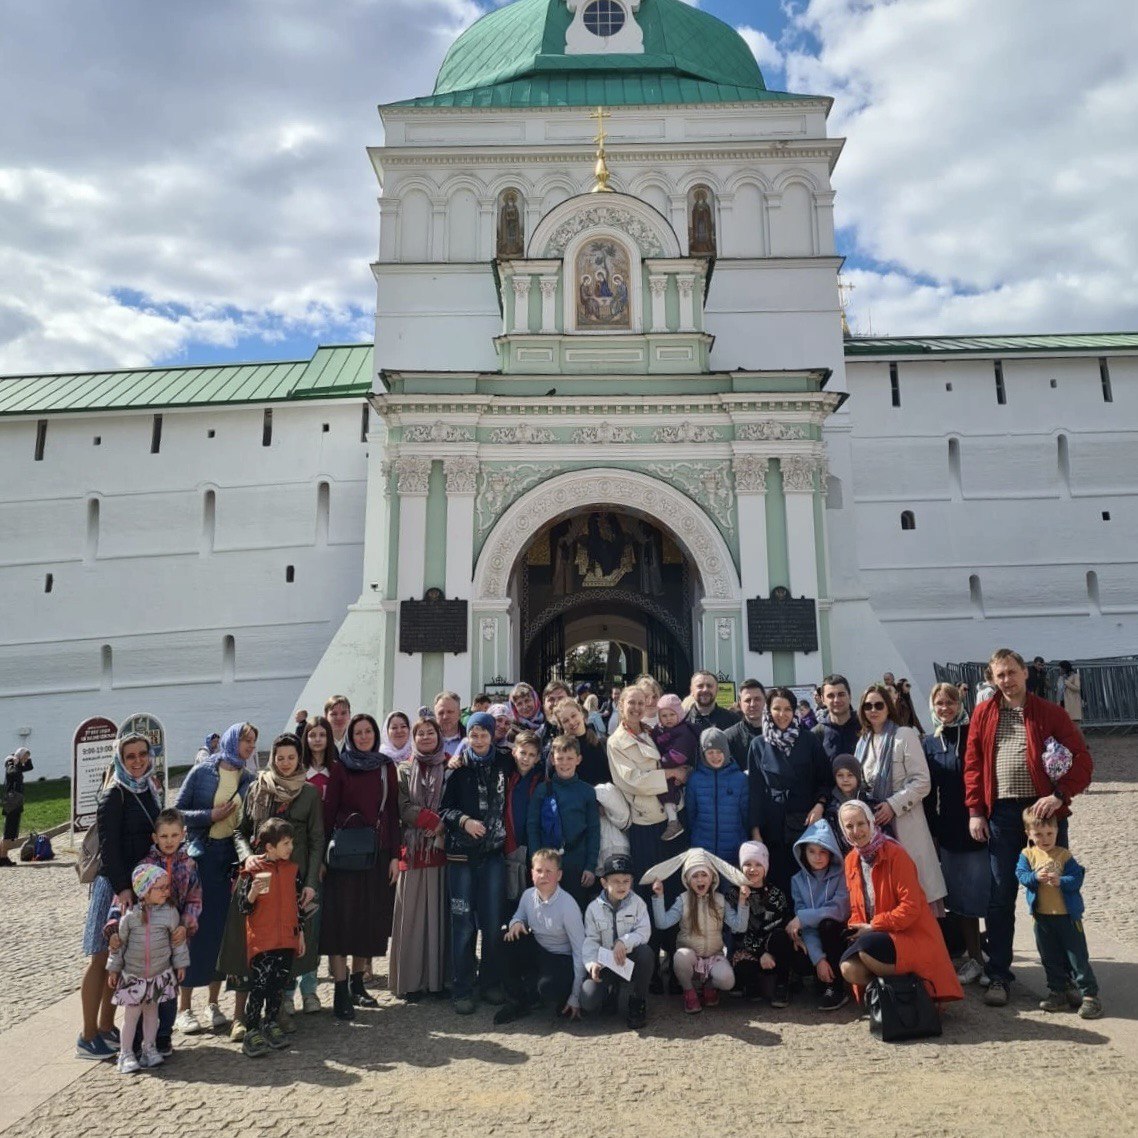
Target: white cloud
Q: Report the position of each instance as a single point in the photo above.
(763, 48)
(991, 159)
(210, 157)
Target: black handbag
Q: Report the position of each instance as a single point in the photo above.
(900, 1007)
(353, 848)
(13, 800)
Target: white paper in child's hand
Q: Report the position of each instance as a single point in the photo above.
(605, 960)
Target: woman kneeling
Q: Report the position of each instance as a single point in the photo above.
(893, 927)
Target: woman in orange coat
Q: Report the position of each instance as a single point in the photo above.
(893, 927)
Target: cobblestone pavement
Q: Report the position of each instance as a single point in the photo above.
(42, 909)
(419, 1069)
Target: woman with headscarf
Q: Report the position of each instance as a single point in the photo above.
(790, 780)
(363, 792)
(418, 958)
(897, 774)
(281, 790)
(894, 930)
(527, 709)
(128, 809)
(211, 801)
(963, 860)
(16, 765)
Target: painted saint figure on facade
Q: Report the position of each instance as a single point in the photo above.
(511, 232)
(602, 272)
(701, 228)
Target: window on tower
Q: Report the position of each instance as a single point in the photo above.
(604, 18)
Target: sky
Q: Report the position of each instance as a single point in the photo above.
(188, 182)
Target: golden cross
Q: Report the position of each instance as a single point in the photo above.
(844, 290)
(600, 114)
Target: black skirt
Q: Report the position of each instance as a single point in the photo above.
(356, 911)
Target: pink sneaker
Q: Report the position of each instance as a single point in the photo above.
(691, 1001)
(710, 996)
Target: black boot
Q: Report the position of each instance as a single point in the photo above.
(342, 1001)
(637, 1013)
(360, 996)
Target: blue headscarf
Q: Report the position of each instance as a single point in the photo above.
(125, 779)
(227, 752)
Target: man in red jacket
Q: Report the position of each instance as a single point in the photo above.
(1003, 775)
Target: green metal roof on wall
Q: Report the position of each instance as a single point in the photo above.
(525, 39)
(332, 373)
(1097, 342)
(601, 88)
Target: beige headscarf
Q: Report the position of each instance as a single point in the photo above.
(273, 793)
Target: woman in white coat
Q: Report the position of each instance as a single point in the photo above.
(897, 774)
(634, 763)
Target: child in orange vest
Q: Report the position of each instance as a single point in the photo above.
(268, 891)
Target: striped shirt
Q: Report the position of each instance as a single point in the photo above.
(1013, 779)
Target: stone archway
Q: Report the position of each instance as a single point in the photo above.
(495, 605)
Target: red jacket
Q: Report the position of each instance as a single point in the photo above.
(275, 920)
(902, 911)
(1043, 720)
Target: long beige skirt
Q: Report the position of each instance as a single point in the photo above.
(420, 933)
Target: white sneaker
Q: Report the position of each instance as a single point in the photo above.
(128, 1064)
(188, 1023)
(970, 971)
(150, 1057)
(218, 1020)
(311, 1003)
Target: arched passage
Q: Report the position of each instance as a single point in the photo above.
(620, 510)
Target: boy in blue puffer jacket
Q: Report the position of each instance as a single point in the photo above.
(717, 799)
(822, 907)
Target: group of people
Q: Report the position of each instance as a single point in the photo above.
(523, 856)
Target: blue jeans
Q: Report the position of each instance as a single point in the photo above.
(1063, 950)
(1006, 839)
(476, 890)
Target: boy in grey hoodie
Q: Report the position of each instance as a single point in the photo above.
(822, 908)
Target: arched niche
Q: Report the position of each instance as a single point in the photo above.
(637, 221)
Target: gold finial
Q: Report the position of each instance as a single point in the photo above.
(844, 291)
(602, 171)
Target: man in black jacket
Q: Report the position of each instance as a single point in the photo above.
(752, 702)
(705, 712)
(840, 729)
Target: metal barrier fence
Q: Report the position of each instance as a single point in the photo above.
(1109, 688)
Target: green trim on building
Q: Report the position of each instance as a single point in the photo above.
(603, 88)
(778, 560)
(823, 590)
(435, 542)
(334, 372)
(1099, 343)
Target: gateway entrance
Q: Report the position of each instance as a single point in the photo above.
(612, 580)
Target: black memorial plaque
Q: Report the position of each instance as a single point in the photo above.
(433, 624)
(782, 624)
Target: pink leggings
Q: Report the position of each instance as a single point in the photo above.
(130, 1017)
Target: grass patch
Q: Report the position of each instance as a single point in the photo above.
(46, 804)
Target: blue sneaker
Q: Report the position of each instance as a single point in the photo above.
(96, 1049)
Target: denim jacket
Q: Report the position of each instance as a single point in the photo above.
(196, 801)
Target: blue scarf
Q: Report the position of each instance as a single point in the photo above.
(227, 748)
(127, 781)
(882, 786)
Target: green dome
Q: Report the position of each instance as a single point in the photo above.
(525, 40)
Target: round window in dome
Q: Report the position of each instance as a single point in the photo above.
(604, 18)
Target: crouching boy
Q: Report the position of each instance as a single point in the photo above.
(617, 921)
(541, 950)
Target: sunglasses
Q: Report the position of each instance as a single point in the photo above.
(879, 706)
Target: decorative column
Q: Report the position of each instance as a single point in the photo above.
(686, 283)
(751, 501)
(412, 481)
(521, 302)
(548, 303)
(798, 472)
(437, 250)
(658, 286)
(461, 482)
